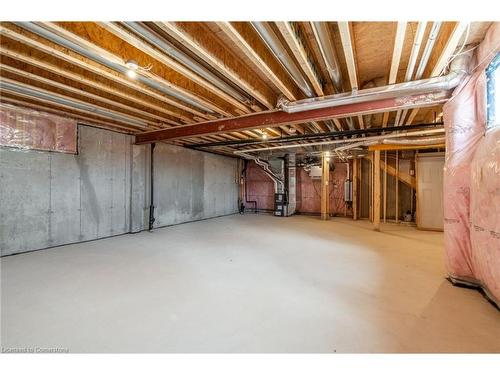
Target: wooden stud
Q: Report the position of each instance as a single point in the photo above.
(325, 187)
(397, 188)
(385, 187)
(355, 170)
(376, 191)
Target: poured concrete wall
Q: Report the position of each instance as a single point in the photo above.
(192, 185)
(49, 199)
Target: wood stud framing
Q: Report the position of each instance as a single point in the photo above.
(238, 61)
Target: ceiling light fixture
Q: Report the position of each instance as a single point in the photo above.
(264, 135)
(133, 67)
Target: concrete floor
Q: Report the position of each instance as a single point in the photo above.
(252, 283)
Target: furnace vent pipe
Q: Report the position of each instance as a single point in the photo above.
(458, 71)
(271, 39)
(169, 49)
(114, 65)
(320, 30)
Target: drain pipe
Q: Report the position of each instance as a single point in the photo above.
(151, 186)
(244, 175)
(271, 39)
(458, 71)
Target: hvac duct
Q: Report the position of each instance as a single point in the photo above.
(271, 39)
(327, 50)
(121, 68)
(169, 49)
(458, 70)
(376, 138)
(428, 49)
(33, 92)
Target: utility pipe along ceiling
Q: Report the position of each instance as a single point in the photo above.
(229, 86)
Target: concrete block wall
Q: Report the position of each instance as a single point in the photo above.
(49, 199)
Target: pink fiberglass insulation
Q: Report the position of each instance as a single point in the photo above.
(32, 130)
(465, 123)
(485, 213)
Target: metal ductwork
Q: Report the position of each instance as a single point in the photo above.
(271, 39)
(436, 26)
(327, 50)
(121, 68)
(429, 87)
(375, 139)
(34, 93)
(170, 50)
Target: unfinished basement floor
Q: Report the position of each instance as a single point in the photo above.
(246, 283)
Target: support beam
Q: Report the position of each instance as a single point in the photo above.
(405, 147)
(376, 191)
(355, 171)
(278, 118)
(325, 187)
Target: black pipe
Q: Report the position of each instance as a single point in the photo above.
(244, 175)
(151, 183)
(314, 136)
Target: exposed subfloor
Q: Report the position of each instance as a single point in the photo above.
(246, 283)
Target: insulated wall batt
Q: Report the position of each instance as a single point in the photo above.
(471, 182)
(485, 213)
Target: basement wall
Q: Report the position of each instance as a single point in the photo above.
(260, 188)
(193, 185)
(49, 199)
